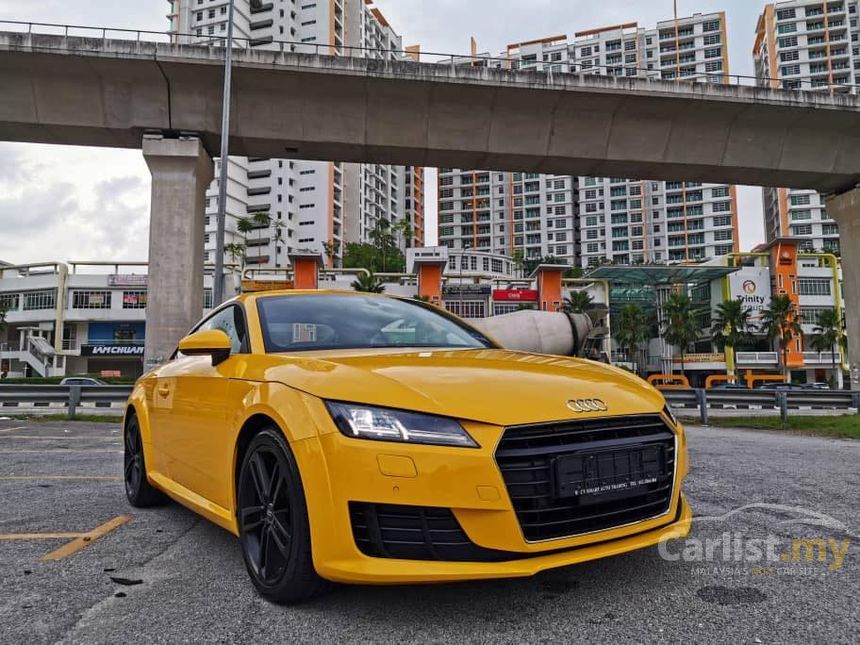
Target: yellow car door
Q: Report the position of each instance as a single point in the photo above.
(194, 430)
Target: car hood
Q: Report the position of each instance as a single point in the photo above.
(488, 385)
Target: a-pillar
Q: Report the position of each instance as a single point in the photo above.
(306, 267)
(181, 171)
(845, 209)
(548, 278)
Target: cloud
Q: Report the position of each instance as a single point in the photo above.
(61, 203)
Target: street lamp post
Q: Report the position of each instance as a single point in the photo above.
(221, 218)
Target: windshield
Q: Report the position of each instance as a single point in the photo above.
(333, 321)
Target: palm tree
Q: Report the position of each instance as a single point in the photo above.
(732, 326)
(829, 336)
(632, 329)
(279, 237)
(404, 228)
(261, 221)
(382, 238)
(680, 326)
(236, 250)
(519, 261)
(578, 302)
(368, 283)
(781, 323)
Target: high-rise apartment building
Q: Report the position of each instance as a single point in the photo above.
(296, 204)
(589, 220)
(806, 45)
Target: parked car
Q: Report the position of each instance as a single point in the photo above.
(360, 438)
(82, 380)
(729, 386)
(778, 386)
(816, 386)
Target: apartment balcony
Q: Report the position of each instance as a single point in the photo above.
(821, 359)
(757, 359)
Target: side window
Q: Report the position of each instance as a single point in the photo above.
(231, 321)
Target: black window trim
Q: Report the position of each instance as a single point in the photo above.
(246, 341)
(471, 331)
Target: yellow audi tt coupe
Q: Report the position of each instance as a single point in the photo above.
(359, 438)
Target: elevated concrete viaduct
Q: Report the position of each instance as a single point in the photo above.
(111, 93)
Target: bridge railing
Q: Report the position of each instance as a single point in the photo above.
(63, 399)
(699, 402)
(95, 33)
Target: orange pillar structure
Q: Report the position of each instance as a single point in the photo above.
(306, 266)
(548, 278)
(430, 280)
(783, 262)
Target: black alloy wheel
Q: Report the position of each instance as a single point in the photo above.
(137, 488)
(273, 521)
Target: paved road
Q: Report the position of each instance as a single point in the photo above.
(193, 586)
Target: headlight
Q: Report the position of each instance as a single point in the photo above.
(668, 412)
(385, 424)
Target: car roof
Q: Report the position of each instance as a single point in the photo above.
(306, 292)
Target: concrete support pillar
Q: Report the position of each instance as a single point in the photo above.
(181, 171)
(845, 209)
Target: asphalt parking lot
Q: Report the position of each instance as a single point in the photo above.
(164, 575)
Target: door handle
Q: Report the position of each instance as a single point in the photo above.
(164, 390)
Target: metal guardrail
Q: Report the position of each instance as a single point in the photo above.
(702, 401)
(62, 398)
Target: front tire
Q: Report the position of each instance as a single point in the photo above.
(273, 522)
(138, 490)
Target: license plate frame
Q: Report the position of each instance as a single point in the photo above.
(597, 474)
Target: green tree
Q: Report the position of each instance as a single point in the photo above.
(578, 302)
(519, 262)
(261, 221)
(383, 239)
(829, 336)
(244, 225)
(732, 326)
(781, 324)
(279, 236)
(404, 230)
(331, 251)
(632, 330)
(370, 257)
(680, 324)
(368, 283)
(236, 251)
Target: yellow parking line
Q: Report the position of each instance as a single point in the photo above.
(62, 437)
(70, 477)
(40, 536)
(63, 450)
(11, 429)
(83, 541)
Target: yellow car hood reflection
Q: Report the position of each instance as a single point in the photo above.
(487, 385)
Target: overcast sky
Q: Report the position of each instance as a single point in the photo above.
(66, 203)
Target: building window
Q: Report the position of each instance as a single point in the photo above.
(91, 299)
(467, 308)
(43, 299)
(9, 301)
(134, 299)
(814, 286)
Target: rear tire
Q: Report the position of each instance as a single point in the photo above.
(138, 490)
(272, 516)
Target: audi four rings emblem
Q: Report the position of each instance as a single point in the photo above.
(587, 405)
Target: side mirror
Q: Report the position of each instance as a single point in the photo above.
(211, 342)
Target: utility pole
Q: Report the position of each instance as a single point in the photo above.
(221, 218)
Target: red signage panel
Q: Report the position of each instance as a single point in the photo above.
(526, 295)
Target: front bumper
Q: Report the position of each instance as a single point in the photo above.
(337, 470)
